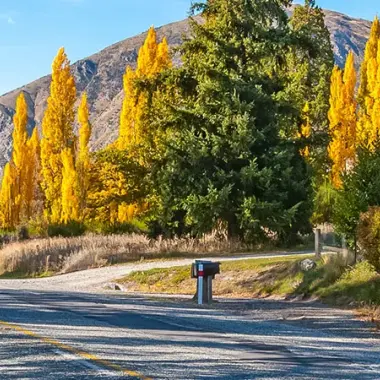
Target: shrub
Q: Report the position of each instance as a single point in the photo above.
(361, 273)
(369, 236)
(23, 233)
(360, 190)
(70, 229)
(325, 199)
(38, 228)
(106, 228)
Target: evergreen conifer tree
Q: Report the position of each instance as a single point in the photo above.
(228, 159)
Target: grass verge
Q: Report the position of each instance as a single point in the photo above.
(331, 281)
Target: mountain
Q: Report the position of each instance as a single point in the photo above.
(101, 76)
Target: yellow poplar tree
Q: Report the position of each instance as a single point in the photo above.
(83, 159)
(350, 108)
(163, 60)
(146, 60)
(127, 117)
(374, 130)
(7, 196)
(343, 119)
(152, 59)
(32, 191)
(70, 202)
(57, 134)
(366, 131)
(335, 119)
(19, 157)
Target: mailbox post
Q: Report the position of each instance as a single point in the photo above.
(204, 272)
(200, 283)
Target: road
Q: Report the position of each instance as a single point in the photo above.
(52, 333)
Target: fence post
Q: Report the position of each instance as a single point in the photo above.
(318, 250)
(348, 255)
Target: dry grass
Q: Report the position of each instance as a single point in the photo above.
(63, 255)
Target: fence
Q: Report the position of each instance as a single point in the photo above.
(327, 241)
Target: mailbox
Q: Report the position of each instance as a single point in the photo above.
(204, 278)
(210, 269)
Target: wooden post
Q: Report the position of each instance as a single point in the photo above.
(318, 250)
(348, 255)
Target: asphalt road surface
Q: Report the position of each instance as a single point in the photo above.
(56, 334)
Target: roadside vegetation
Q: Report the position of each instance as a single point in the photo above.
(188, 157)
(331, 281)
(49, 256)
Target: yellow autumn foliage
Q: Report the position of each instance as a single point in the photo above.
(7, 197)
(83, 157)
(57, 134)
(32, 180)
(343, 119)
(305, 130)
(70, 202)
(153, 58)
(19, 157)
(368, 94)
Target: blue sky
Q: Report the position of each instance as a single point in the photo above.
(366, 9)
(31, 31)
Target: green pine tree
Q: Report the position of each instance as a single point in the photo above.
(228, 158)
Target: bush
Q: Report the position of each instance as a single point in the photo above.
(360, 190)
(105, 228)
(369, 236)
(23, 233)
(38, 228)
(70, 229)
(325, 199)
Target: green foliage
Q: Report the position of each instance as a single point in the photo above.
(308, 23)
(369, 236)
(70, 229)
(360, 190)
(37, 228)
(361, 285)
(325, 200)
(231, 120)
(309, 72)
(327, 272)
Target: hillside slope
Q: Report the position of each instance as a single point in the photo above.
(101, 76)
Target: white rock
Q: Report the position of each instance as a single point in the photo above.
(307, 265)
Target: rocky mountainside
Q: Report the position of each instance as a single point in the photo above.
(101, 76)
